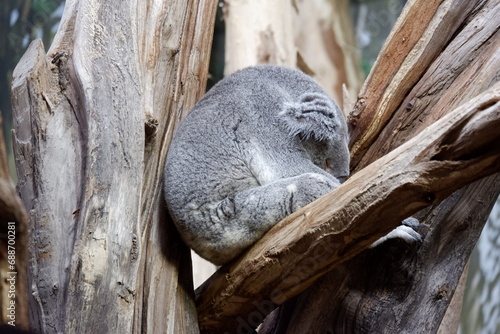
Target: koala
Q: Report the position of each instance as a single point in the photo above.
(262, 143)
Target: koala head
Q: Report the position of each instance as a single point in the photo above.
(319, 124)
(330, 155)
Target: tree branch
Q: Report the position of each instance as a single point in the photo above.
(320, 236)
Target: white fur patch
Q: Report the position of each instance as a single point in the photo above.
(292, 187)
(260, 168)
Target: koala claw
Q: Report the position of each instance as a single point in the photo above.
(405, 232)
(411, 222)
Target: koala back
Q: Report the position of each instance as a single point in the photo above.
(261, 143)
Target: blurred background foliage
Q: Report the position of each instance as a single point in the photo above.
(22, 21)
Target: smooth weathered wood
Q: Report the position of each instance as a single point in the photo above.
(326, 45)
(316, 238)
(311, 36)
(93, 120)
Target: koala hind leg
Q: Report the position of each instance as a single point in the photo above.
(245, 216)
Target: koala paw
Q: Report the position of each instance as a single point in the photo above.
(405, 231)
(411, 222)
(309, 187)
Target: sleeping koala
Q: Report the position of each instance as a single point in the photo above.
(260, 144)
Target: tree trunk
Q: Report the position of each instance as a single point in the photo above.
(326, 45)
(258, 31)
(93, 121)
(439, 56)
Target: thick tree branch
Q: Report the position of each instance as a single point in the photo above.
(320, 236)
(464, 66)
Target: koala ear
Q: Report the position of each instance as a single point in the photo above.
(314, 116)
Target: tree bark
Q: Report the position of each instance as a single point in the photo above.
(93, 121)
(439, 56)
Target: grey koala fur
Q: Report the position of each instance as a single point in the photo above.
(260, 144)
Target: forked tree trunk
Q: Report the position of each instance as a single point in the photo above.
(93, 121)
